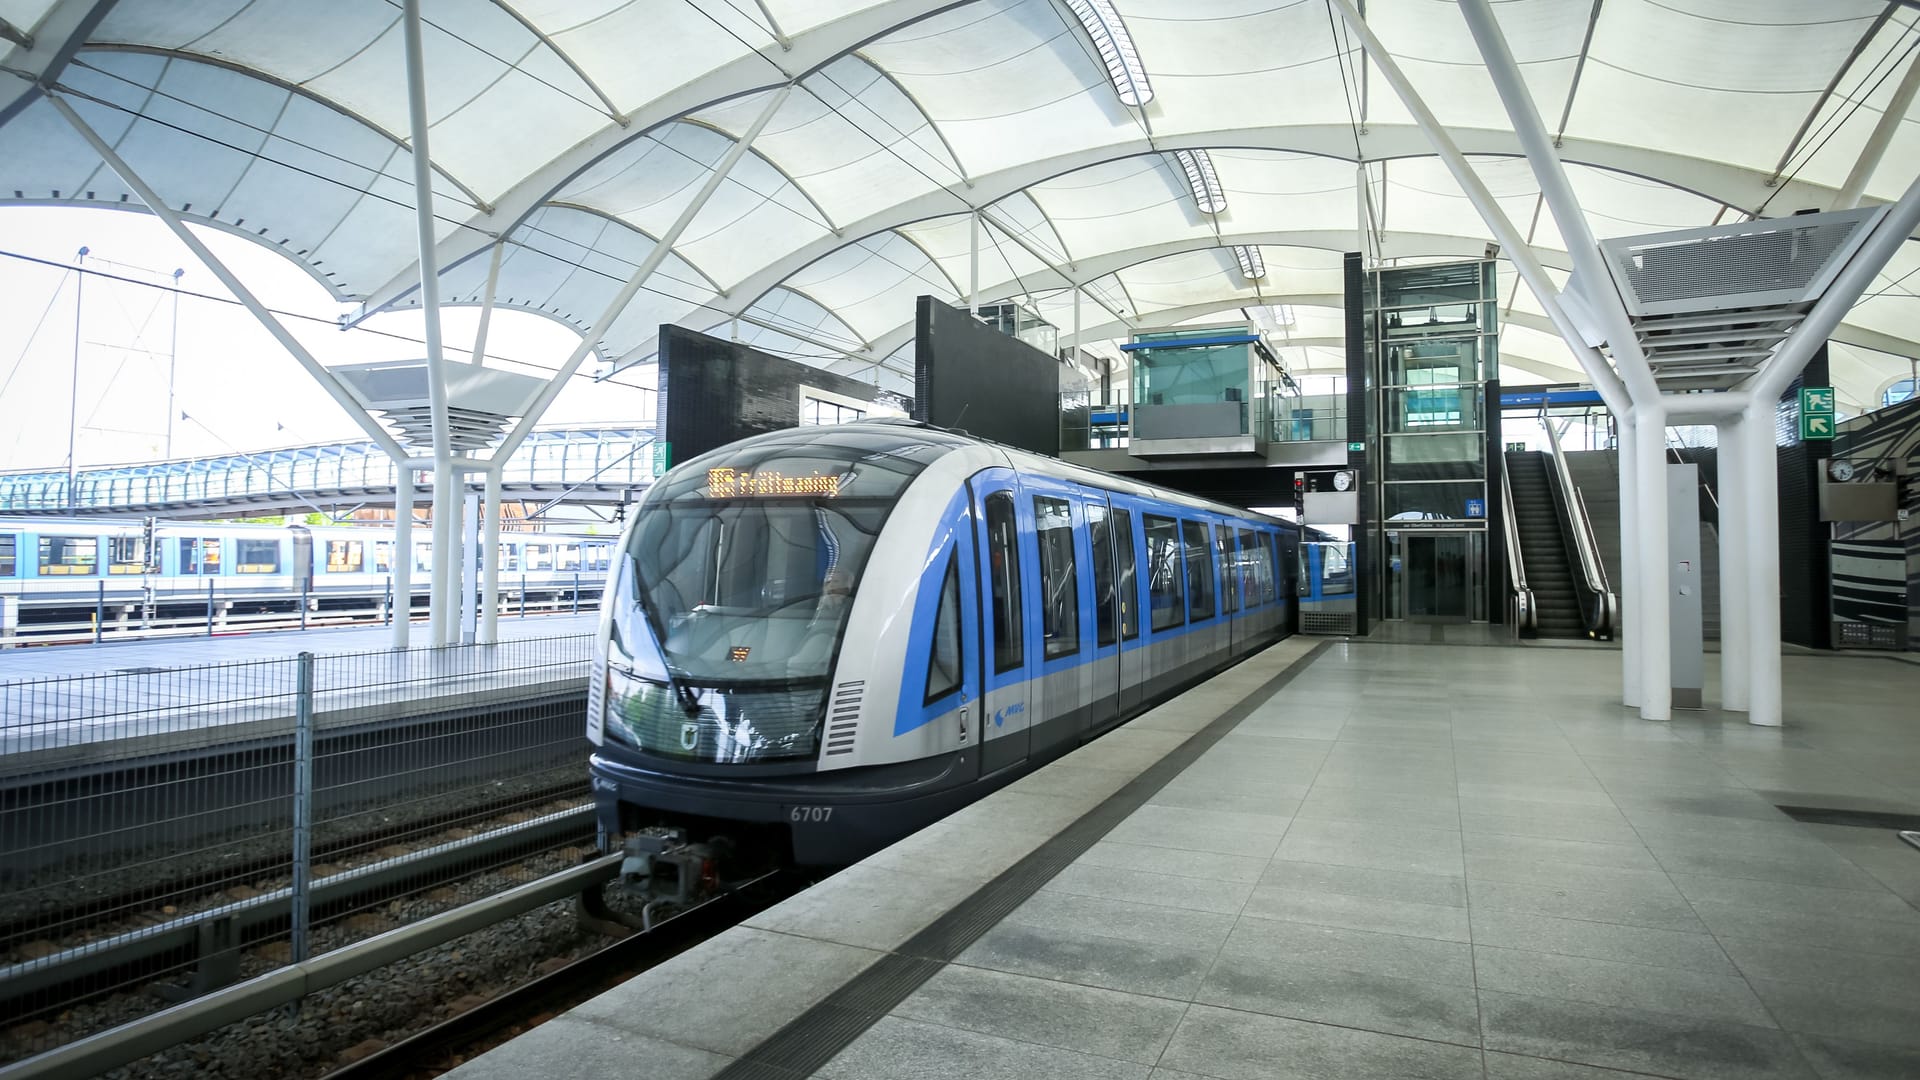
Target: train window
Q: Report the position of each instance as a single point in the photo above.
(199, 556)
(566, 557)
(509, 558)
(383, 556)
(256, 556)
(1059, 578)
(596, 556)
(1004, 569)
(1199, 571)
(126, 555)
(1123, 558)
(1223, 557)
(346, 556)
(1255, 574)
(944, 665)
(539, 556)
(69, 555)
(1165, 592)
(423, 556)
(1100, 532)
(9, 554)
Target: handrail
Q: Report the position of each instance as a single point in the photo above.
(1522, 610)
(1586, 545)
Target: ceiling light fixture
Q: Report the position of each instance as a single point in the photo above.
(1207, 193)
(1102, 23)
(1252, 266)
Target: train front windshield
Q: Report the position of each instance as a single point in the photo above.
(751, 590)
(743, 568)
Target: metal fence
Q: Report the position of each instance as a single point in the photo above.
(166, 832)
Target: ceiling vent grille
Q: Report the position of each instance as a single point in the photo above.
(1755, 264)
(481, 401)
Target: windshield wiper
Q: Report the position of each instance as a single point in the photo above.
(689, 698)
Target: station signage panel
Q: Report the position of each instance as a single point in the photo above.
(1817, 420)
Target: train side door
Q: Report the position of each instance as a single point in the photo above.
(1129, 585)
(1007, 649)
(1104, 607)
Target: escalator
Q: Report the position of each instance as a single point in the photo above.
(1560, 581)
(1543, 547)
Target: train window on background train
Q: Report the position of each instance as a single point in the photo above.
(1059, 577)
(9, 554)
(1101, 534)
(256, 556)
(597, 556)
(126, 555)
(1199, 571)
(1229, 580)
(69, 555)
(566, 557)
(193, 558)
(1255, 567)
(1003, 567)
(944, 665)
(1166, 593)
(1123, 558)
(383, 556)
(509, 558)
(539, 557)
(346, 556)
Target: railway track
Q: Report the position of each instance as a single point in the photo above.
(206, 944)
(445, 1045)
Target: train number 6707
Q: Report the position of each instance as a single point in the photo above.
(810, 813)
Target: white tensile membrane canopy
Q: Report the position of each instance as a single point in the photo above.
(577, 132)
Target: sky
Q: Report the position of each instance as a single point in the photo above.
(239, 388)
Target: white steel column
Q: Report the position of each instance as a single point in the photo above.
(176, 225)
(1877, 142)
(1626, 432)
(486, 305)
(402, 565)
(973, 280)
(1655, 655)
(490, 577)
(661, 249)
(441, 614)
(1736, 585)
(456, 556)
(1762, 525)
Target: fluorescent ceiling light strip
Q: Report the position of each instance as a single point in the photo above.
(1103, 24)
(1207, 193)
(1252, 266)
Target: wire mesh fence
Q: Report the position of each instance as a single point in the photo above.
(166, 832)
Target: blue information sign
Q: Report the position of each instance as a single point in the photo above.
(1476, 508)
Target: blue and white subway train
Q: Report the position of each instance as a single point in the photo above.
(829, 637)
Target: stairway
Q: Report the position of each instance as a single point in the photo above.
(1543, 550)
(1597, 474)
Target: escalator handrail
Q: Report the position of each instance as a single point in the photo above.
(1524, 612)
(1586, 545)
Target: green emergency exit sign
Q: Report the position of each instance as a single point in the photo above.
(1816, 413)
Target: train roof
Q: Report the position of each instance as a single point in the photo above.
(916, 446)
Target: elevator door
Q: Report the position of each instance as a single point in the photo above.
(1437, 576)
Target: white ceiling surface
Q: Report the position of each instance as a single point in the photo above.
(579, 130)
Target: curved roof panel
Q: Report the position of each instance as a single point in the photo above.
(577, 131)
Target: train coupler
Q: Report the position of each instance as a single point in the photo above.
(665, 868)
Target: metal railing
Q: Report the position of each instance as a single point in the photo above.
(182, 829)
(1522, 615)
(1602, 607)
(554, 458)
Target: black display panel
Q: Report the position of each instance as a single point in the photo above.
(974, 378)
(713, 392)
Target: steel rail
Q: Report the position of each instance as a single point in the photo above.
(261, 916)
(131, 1041)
